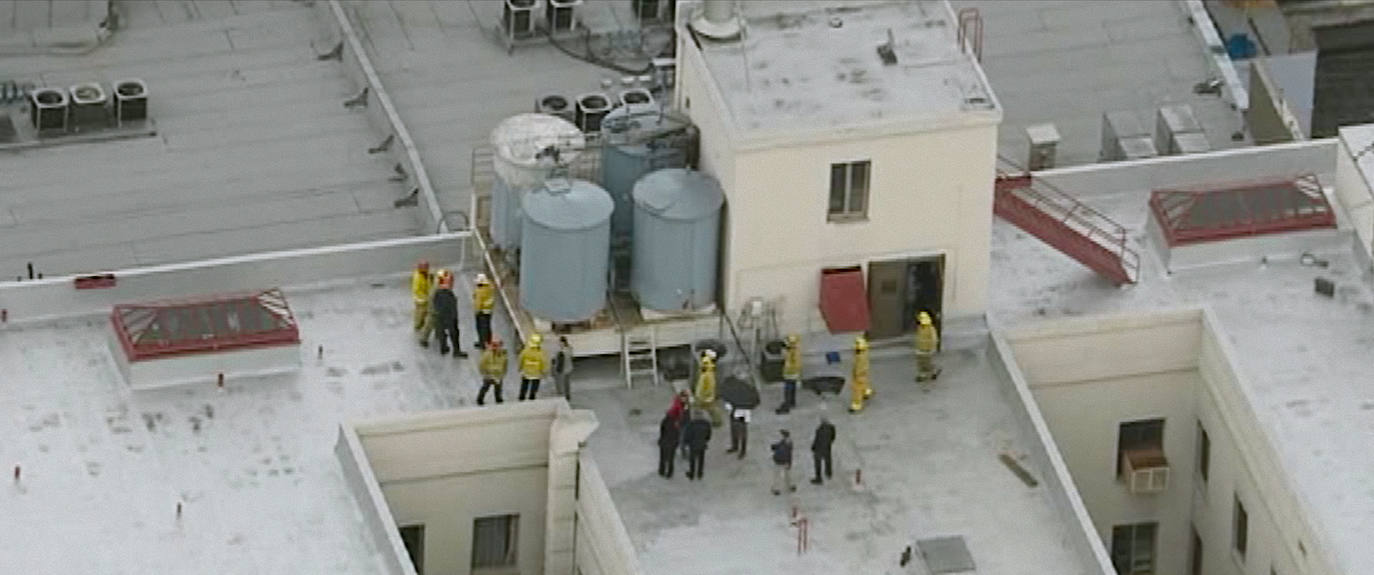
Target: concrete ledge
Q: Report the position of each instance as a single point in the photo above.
(1253, 249)
(54, 298)
(1046, 458)
(204, 367)
(1143, 176)
(376, 514)
(1219, 62)
(381, 112)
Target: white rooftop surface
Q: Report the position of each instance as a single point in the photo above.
(104, 467)
(1306, 357)
(1069, 61)
(254, 152)
(453, 81)
(794, 63)
(929, 466)
(22, 16)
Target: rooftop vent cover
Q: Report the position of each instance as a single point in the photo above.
(218, 324)
(1240, 209)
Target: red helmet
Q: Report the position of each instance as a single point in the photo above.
(422, 265)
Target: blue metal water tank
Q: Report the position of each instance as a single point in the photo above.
(636, 139)
(565, 243)
(676, 240)
(526, 150)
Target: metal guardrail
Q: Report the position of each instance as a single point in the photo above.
(1069, 212)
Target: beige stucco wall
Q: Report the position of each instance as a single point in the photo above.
(1087, 381)
(1088, 375)
(929, 194)
(446, 469)
(447, 474)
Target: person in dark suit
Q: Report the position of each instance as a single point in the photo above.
(696, 435)
(820, 449)
(668, 435)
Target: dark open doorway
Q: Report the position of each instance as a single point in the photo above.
(413, 536)
(899, 289)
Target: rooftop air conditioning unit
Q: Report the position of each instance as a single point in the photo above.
(591, 108)
(555, 105)
(49, 109)
(636, 97)
(1044, 138)
(560, 15)
(1124, 137)
(1146, 471)
(1172, 124)
(517, 18)
(88, 108)
(131, 101)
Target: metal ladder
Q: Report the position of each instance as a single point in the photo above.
(640, 352)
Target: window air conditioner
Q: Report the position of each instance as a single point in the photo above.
(1146, 470)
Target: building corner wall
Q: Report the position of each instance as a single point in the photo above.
(567, 435)
(1355, 195)
(1046, 457)
(372, 505)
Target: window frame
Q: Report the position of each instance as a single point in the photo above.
(1240, 528)
(1130, 556)
(417, 556)
(511, 560)
(1204, 452)
(1121, 446)
(1195, 554)
(847, 213)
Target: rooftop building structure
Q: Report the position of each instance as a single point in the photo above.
(1200, 419)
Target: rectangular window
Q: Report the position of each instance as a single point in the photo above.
(1146, 434)
(849, 191)
(1241, 526)
(413, 536)
(1133, 548)
(494, 541)
(1195, 562)
(1204, 451)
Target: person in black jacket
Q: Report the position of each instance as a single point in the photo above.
(696, 435)
(820, 448)
(668, 433)
(782, 459)
(446, 315)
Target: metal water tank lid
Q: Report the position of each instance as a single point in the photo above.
(521, 144)
(569, 205)
(679, 194)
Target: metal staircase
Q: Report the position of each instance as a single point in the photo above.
(1065, 223)
(639, 351)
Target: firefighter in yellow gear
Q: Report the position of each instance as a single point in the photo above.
(431, 319)
(420, 283)
(705, 394)
(791, 372)
(483, 302)
(927, 343)
(533, 365)
(860, 389)
(493, 366)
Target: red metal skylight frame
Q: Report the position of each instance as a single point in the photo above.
(158, 330)
(1305, 208)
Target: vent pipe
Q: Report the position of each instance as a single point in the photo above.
(717, 20)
